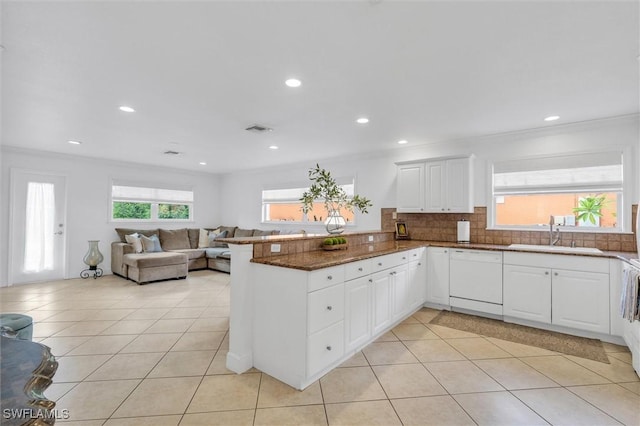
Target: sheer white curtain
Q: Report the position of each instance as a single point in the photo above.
(40, 213)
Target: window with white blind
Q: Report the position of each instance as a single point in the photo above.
(135, 202)
(282, 204)
(581, 191)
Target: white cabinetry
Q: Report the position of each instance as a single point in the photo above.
(438, 275)
(306, 323)
(527, 293)
(417, 278)
(435, 186)
(566, 291)
(410, 186)
(581, 300)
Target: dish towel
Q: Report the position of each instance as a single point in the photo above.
(629, 300)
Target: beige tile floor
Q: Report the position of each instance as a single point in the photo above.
(155, 355)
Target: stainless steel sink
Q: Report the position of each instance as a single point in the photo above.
(554, 249)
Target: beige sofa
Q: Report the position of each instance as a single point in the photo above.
(180, 253)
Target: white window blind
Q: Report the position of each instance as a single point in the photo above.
(596, 172)
(141, 193)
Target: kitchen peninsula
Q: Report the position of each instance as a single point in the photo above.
(298, 314)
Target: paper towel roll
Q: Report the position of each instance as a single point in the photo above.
(464, 231)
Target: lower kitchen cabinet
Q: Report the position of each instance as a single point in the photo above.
(567, 291)
(357, 299)
(581, 300)
(438, 275)
(527, 293)
(417, 281)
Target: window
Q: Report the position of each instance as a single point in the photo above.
(283, 205)
(582, 191)
(150, 203)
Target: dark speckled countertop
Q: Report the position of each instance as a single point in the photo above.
(318, 259)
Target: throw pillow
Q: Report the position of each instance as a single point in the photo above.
(174, 239)
(135, 241)
(203, 239)
(151, 244)
(213, 237)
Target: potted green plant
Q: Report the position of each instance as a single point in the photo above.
(325, 188)
(589, 209)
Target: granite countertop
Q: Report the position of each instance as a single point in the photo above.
(312, 260)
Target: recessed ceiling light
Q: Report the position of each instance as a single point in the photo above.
(273, 147)
(402, 142)
(75, 142)
(202, 163)
(552, 118)
(127, 109)
(362, 120)
(293, 82)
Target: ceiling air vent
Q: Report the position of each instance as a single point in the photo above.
(257, 128)
(171, 152)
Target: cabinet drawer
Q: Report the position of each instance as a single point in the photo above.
(415, 254)
(389, 261)
(325, 307)
(325, 277)
(357, 269)
(324, 348)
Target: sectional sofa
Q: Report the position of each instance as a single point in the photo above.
(182, 250)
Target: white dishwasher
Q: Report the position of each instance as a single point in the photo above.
(475, 280)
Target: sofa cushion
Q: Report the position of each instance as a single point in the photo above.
(213, 237)
(216, 252)
(150, 260)
(231, 230)
(123, 232)
(135, 241)
(259, 233)
(151, 244)
(191, 253)
(243, 233)
(174, 239)
(194, 234)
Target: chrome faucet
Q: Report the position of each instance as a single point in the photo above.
(553, 239)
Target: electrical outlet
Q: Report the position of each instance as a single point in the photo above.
(394, 215)
(275, 248)
(370, 238)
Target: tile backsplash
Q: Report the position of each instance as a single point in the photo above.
(443, 227)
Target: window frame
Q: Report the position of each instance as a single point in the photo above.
(623, 202)
(154, 202)
(342, 181)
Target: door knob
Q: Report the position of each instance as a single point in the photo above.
(57, 233)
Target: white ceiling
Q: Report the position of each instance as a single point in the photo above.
(198, 73)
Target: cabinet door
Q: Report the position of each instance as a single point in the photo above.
(527, 293)
(458, 186)
(381, 282)
(438, 275)
(435, 198)
(410, 188)
(417, 282)
(357, 323)
(399, 292)
(580, 300)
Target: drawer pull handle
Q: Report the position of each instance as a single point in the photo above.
(370, 280)
(329, 277)
(546, 273)
(329, 308)
(415, 255)
(555, 273)
(419, 263)
(379, 263)
(404, 258)
(359, 269)
(328, 348)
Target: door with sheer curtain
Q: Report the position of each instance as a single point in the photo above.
(38, 233)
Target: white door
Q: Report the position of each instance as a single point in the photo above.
(399, 292)
(357, 312)
(580, 300)
(435, 200)
(38, 233)
(381, 300)
(527, 293)
(438, 275)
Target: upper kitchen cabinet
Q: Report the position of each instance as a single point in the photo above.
(435, 186)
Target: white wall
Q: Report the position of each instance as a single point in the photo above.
(376, 173)
(88, 187)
